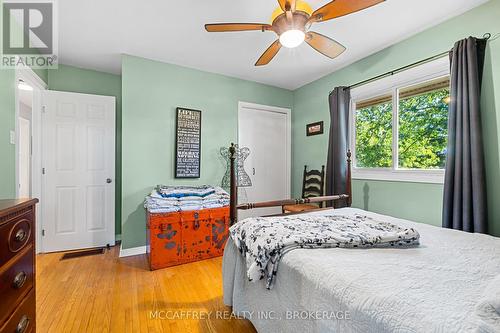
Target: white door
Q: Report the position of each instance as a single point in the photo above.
(266, 131)
(78, 159)
(24, 158)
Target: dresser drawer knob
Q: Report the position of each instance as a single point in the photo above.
(20, 235)
(23, 324)
(19, 280)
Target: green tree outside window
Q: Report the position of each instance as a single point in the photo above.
(422, 132)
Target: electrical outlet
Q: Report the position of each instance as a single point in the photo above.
(12, 137)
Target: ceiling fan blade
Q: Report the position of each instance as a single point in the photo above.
(269, 54)
(287, 5)
(338, 8)
(324, 45)
(229, 27)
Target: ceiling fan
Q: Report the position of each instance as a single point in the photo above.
(291, 22)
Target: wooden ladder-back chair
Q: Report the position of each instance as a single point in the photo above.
(313, 184)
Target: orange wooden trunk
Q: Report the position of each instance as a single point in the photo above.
(182, 237)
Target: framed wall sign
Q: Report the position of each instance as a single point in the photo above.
(314, 128)
(187, 143)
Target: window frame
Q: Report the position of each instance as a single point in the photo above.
(432, 70)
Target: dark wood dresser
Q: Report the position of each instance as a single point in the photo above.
(17, 266)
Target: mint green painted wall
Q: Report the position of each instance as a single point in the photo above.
(43, 74)
(404, 200)
(419, 202)
(73, 79)
(151, 93)
(7, 124)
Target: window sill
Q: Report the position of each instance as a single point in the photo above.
(410, 176)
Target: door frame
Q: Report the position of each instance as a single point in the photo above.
(30, 77)
(23, 122)
(288, 113)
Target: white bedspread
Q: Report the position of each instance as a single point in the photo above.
(451, 283)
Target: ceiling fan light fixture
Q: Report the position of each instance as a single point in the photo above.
(291, 22)
(292, 38)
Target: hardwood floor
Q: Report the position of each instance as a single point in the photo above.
(104, 293)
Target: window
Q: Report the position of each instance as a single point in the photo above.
(400, 125)
(423, 125)
(374, 133)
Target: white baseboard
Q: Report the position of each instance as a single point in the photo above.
(133, 251)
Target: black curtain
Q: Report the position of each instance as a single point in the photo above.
(336, 166)
(464, 202)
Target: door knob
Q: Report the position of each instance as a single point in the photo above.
(109, 181)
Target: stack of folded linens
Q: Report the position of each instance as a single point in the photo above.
(167, 199)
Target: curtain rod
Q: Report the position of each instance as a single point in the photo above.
(486, 36)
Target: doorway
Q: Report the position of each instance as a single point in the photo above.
(266, 131)
(26, 137)
(25, 105)
(73, 172)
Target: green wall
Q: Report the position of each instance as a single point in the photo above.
(7, 124)
(151, 92)
(73, 79)
(43, 74)
(418, 202)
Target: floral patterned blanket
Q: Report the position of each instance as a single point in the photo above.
(263, 241)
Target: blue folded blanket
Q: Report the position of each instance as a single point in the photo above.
(167, 199)
(184, 191)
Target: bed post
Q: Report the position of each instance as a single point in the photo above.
(233, 187)
(349, 183)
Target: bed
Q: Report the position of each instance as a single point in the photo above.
(450, 283)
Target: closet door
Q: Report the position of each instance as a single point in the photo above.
(266, 131)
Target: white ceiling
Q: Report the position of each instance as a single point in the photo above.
(94, 33)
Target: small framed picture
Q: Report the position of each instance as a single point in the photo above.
(314, 128)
